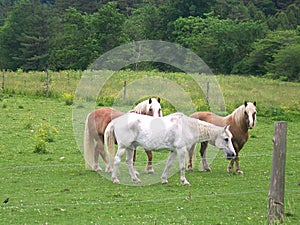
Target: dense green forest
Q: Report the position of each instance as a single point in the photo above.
(257, 37)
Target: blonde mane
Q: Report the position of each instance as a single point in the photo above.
(141, 108)
(238, 114)
(147, 107)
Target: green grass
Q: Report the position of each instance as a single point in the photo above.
(55, 187)
(273, 97)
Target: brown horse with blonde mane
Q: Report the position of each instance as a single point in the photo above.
(96, 123)
(240, 120)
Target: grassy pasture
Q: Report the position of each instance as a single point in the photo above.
(55, 188)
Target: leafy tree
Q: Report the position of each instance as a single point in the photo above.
(84, 37)
(87, 6)
(231, 9)
(293, 15)
(68, 50)
(144, 23)
(282, 21)
(5, 8)
(283, 4)
(267, 6)
(10, 46)
(9, 32)
(191, 7)
(255, 13)
(34, 40)
(25, 36)
(106, 26)
(286, 63)
(221, 43)
(264, 50)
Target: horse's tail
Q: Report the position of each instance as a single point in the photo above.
(89, 146)
(110, 140)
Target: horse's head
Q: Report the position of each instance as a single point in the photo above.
(223, 142)
(153, 107)
(250, 113)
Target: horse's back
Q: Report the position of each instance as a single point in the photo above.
(100, 118)
(210, 118)
(146, 131)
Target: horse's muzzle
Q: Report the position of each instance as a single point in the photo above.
(230, 156)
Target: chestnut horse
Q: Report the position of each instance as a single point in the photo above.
(96, 123)
(240, 120)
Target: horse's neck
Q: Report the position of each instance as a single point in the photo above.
(237, 121)
(206, 131)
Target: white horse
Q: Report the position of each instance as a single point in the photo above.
(96, 123)
(175, 132)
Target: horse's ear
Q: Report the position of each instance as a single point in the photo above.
(158, 99)
(245, 103)
(254, 103)
(150, 100)
(226, 127)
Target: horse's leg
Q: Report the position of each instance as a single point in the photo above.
(191, 153)
(238, 169)
(149, 168)
(170, 161)
(129, 161)
(203, 156)
(134, 158)
(96, 167)
(236, 160)
(230, 166)
(117, 161)
(181, 158)
(100, 150)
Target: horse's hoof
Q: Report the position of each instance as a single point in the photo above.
(108, 170)
(190, 169)
(97, 169)
(186, 183)
(206, 169)
(239, 171)
(164, 182)
(150, 171)
(229, 170)
(116, 181)
(137, 181)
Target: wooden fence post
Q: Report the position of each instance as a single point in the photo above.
(124, 96)
(276, 194)
(2, 86)
(47, 83)
(207, 92)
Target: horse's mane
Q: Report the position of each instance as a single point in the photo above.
(140, 108)
(238, 114)
(202, 127)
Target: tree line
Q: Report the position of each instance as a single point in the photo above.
(251, 37)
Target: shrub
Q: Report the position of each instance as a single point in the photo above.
(45, 133)
(68, 98)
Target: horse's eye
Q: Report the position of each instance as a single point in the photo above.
(226, 139)
(150, 109)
